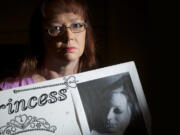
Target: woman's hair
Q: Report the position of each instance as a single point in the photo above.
(46, 10)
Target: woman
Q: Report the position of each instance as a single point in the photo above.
(61, 43)
(120, 111)
(117, 113)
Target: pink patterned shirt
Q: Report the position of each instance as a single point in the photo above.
(16, 83)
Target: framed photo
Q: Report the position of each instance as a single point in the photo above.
(114, 101)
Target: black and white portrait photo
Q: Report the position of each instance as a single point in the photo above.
(111, 106)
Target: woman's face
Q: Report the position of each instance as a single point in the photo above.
(119, 114)
(68, 46)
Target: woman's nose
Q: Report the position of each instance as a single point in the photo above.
(110, 114)
(69, 33)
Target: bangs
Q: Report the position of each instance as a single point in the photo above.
(52, 8)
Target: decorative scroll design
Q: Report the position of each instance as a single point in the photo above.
(24, 123)
(68, 82)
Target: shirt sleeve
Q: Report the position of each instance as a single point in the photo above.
(15, 83)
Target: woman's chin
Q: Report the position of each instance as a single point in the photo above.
(112, 130)
(71, 57)
(116, 131)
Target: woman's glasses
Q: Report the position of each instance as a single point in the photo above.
(59, 30)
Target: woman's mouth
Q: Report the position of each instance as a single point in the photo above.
(111, 127)
(70, 49)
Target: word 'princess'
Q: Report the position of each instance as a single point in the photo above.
(34, 101)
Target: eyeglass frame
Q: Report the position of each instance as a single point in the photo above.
(65, 28)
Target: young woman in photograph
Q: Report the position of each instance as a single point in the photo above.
(118, 111)
(118, 114)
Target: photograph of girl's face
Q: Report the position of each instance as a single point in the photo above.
(119, 113)
(111, 106)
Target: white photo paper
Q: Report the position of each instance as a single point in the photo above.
(105, 101)
(40, 109)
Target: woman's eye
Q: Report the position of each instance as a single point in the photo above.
(77, 25)
(56, 27)
(117, 111)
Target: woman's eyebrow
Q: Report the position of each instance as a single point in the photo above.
(76, 19)
(117, 106)
(71, 20)
(56, 24)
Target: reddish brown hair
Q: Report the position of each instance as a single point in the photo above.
(45, 11)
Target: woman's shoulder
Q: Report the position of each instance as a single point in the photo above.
(9, 83)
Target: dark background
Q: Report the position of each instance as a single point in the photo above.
(123, 32)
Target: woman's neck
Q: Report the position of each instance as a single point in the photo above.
(53, 69)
